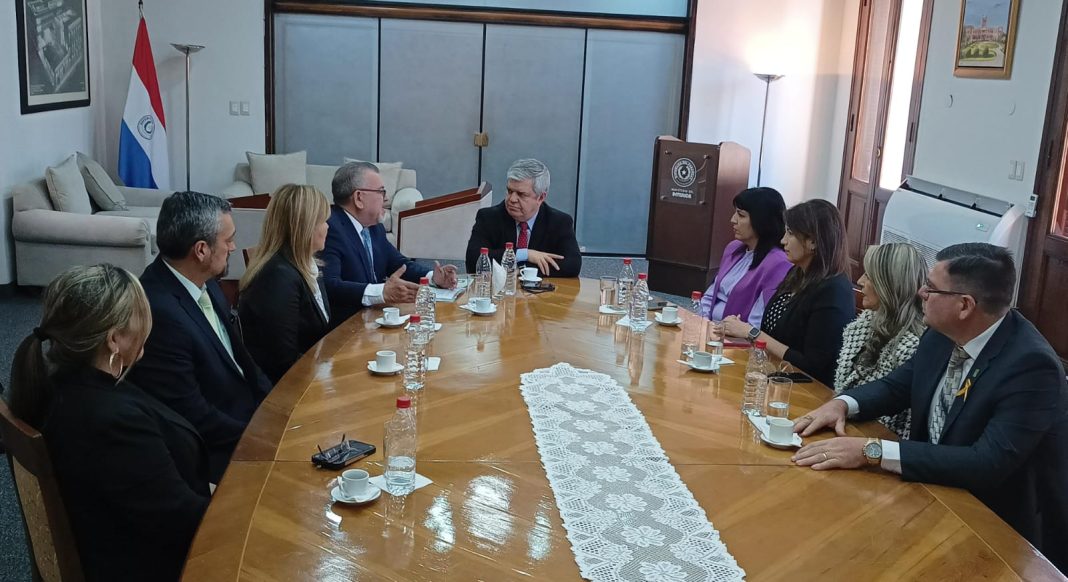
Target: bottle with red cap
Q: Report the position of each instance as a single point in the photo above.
(415, 353)
(508, 262)
(693, 328)
(756, 379)
(483, 283)
(401, 441)
(639, 304)
(624, 283)
(425, 306)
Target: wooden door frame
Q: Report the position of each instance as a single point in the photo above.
(686, 26)
(1047, 176)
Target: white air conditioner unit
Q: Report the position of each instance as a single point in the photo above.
(931, 217)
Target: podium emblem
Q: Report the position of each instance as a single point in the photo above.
(684, 172)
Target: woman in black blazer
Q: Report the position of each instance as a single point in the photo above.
(804, 320)
(133, 474)
(283, 307)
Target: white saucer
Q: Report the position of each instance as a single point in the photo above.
(609, 310)
(698, 368)
(403, 320)
(471, 308)
(373, 367)
(437, 327)
(534, 280)
(372, 494)
(795, 443)
(661, 321)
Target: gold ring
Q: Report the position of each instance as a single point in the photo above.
(807, 417)
(825, 457)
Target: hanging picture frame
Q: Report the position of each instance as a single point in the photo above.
(986, 38)
(53, 46)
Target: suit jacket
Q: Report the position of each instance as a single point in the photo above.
(346, 273)
(280, 319)
(133, 475)
(1006, 441)
(187, 368)
(553, 232)
(812, 326)
(761, 281)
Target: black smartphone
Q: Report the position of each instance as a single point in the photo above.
(658, 305)
(796, 377)
(538, 287)
(342, 455)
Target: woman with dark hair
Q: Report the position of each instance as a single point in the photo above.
(754, 263)
(132, 473)
(803, 323)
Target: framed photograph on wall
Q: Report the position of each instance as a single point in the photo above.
(986, 38)
(53, 45)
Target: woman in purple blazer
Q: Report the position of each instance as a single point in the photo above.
(754, 263)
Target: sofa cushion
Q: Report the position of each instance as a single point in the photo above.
(101, 187)
(66, 187)
(390, 172)
(269, 171)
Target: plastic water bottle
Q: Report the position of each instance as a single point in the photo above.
(483, 275)
(639, 304)
(401, 441)
(756, 379)
(425, 306)
(693, 329)
(415, 354)
(624, 283)
(509, 263)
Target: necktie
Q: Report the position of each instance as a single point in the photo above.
(204, 301)
(365, 235)
(944, 402)
(524, 236)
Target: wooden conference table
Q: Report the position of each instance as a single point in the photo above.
(490, 514)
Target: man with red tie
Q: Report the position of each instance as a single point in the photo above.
(543, 236)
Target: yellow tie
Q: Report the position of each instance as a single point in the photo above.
(213, 320)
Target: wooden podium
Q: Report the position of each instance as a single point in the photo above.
(694, 185)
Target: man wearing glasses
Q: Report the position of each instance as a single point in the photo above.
(360, 266)
(543, 236)
(988, 398)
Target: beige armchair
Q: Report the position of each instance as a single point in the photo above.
(48, 242)
(439, 228)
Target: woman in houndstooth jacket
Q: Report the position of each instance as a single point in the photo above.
(887, 332)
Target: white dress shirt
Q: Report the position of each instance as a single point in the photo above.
(891, 449)
(318, 292)
(373, 294)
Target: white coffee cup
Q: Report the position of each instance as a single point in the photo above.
(353, 483)
(702, 359)
(385, 360)
(669, 314)
(391, 315)
(530, 273)
(780, 430)
(481, 303)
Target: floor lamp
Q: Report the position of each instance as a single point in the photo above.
(188, 49)
(767, 78)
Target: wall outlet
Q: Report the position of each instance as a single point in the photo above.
(244, 108)
(235, 108)
(1031, 208)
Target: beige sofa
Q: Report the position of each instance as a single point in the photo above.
(48, 242)
(400, 199)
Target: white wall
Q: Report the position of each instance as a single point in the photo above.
(230, 68)
(30, 143)
(811, 42)
(968, 145)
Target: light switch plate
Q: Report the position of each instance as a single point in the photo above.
(244, 108)
(235, 108)
(1020, 171)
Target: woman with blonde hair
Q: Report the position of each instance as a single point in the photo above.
(887, 332)
(132, 473)
(283, 307)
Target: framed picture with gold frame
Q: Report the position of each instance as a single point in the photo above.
(986, 38)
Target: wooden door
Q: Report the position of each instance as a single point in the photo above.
(1045, 269)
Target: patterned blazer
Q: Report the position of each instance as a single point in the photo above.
(851, 373)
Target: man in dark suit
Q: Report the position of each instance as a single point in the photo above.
(543, 236)
(195, 361)
(988, 398)
(360, 266)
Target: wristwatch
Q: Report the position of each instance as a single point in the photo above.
(754, 332)
(873, 451)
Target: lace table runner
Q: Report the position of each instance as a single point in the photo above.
(627, 513)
